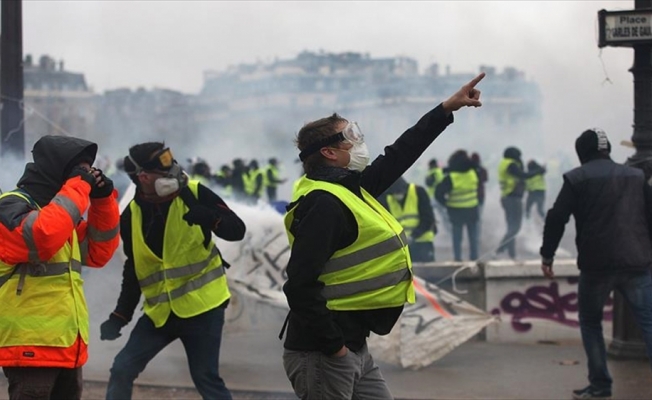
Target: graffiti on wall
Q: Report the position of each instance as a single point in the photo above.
(544, 302)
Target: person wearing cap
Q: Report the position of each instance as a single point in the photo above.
(349, 271)
(44, 322)
(172, 261)
(612, 207)
(511, 177)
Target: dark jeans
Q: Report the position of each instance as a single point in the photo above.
(592, 293)
(461, 217)
(513, 207)
(201, 337)
(42, 383)
(538, 198)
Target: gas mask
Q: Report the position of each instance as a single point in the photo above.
(175, 180)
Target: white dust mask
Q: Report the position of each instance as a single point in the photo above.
(359, 157)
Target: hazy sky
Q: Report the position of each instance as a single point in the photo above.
(170, 43)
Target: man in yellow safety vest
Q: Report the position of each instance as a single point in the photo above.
(349, 271)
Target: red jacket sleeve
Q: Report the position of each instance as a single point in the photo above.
(99, 236)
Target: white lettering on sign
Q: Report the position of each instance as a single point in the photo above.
(630, 27)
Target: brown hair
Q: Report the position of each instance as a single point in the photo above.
(314, 131)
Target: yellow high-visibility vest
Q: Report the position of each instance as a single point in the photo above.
(373, 272)
(51, 298)
(438, 174)
(464, 192)
(507, 181)
(536, 182)
(189, 279)
(408, 214)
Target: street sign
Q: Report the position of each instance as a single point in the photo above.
(624, 28)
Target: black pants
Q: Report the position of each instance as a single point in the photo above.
(513, 207)
(44, 383)
(271, 194)
(535, 197)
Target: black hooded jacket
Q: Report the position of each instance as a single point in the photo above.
(322, 225)
(54, 157)
(612, 207)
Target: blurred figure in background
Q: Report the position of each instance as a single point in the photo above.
(254, 182)
(238, 180)
(223, 179)
(173, 263)
(458, 192)
(483, 177)
(512, 188)
(201, 172)
(536, 189)
(612, 208)
(433, 178)
(272, 179)
(45, 241)
(410, 205)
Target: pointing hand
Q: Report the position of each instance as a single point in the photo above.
(467, 96)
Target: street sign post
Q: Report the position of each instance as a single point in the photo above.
(632, 28)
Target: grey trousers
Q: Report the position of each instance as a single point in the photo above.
(315, 376)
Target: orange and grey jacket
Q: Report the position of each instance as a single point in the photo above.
(44, 316)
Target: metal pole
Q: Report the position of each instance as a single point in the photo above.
(11, 79)
(627, 337)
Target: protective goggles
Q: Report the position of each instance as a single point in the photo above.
(162, 161)
(351, 133)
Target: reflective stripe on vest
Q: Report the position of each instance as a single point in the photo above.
(535, 182)
(408, 214)
(373, 272)
(24, 316)
(507, 181)
(188, 279)
(464, 192)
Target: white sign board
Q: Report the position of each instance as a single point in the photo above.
(625, 28)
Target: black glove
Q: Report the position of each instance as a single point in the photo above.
(205, 217)
(104, 191)
(110, 329)
(85, 175)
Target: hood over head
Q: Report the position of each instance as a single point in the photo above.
(54, 158)
(592, 144)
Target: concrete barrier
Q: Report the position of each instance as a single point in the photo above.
(531, 308)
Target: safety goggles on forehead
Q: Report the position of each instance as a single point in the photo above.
(162, 160)
(351, 133)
